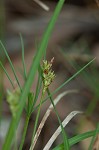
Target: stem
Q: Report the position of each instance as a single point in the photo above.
(15, 142)
(30, 79)
(24, 132)
(47, 114)
(36, 122)
(64, 134)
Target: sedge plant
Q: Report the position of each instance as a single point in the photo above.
(22, 98)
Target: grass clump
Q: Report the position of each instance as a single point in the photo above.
(23, 99)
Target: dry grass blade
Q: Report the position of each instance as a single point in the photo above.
(58, 131)
(50, 108)
(44, 6)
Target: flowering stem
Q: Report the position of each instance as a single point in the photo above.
(24, 131)
(36, 122)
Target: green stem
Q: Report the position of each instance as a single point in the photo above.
(24, 132)
(64, 134)
(15, 142)
(36, 122)
(30, 79)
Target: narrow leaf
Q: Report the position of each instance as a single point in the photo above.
(30, 78)
(76, 139)
(23, 60)
(57, 132)
(6, 74)
(67, 81)
(50, 108)
(71, 78)
(10, 62)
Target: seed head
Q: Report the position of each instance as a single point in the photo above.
(48, 74)
(13, 100)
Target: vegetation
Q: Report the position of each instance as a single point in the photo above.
(22, 98)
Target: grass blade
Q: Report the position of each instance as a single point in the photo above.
(30, 78)
(6, 74)
(47, 114)
(57, 132)
(71, 78)
(67, 81)
(76, 139)
(38, 88)
(65, 138)
(12, 67)
(23, 60)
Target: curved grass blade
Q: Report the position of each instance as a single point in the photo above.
(65, 138)
(47, 113)
(10, 62)
(30, 78)
(57, 132)
(76, 139)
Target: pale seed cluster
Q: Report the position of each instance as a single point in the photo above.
(48, 74)
(13, 100)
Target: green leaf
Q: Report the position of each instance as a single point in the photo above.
(10, 62)
(30, 103)
(65, 138)
(76, 139)
(30, 78)
(7, 74)
(66, 82)
(23, 60)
